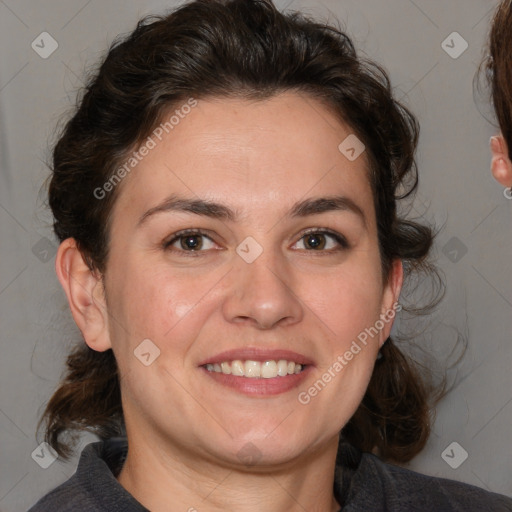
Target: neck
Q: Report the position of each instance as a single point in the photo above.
(162, 478)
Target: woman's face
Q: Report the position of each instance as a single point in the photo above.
(250, 285)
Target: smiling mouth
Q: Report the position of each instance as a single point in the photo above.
(256, 369)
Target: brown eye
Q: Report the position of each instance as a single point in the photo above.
(315, 241)
(192, 242)
(323, 241)
(189, 242)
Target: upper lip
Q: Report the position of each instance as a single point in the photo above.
(257, 354)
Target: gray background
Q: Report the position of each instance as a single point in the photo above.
(456, 192)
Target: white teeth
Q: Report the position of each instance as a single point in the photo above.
(256, 369)
(226, 368)
(269, 369)
(237, 368)
(282, 368)
(252, 369)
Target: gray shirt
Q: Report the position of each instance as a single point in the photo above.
(364, 484)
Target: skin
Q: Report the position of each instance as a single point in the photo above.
(501, 166)
(184, 429)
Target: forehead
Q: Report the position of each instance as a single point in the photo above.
(252, 155)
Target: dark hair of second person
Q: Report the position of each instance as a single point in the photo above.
(498, 67)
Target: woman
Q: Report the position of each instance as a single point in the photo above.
(499, 68)
(225, 196)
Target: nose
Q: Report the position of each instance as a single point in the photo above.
(262, 293)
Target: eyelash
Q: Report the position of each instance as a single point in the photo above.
(340, 239)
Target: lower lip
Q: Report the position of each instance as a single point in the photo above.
(256, 386)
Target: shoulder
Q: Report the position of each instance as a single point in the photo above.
(93, 488)
(403, 489)
(67, 497)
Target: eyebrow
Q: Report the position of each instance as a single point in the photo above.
(311, 206)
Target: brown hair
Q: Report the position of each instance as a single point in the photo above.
(498, 67)
(245, 49)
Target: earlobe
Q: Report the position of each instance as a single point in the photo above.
(85, 294)
(501, 166)
(390, 297)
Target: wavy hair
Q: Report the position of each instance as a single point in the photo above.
(498, 68)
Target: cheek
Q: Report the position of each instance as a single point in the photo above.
(151, 302)
(348, 302)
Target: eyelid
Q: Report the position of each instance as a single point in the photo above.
(338, 237)
(166, 244)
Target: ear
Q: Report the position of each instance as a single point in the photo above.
(390, 305)
(85, 293)
(501, 166)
